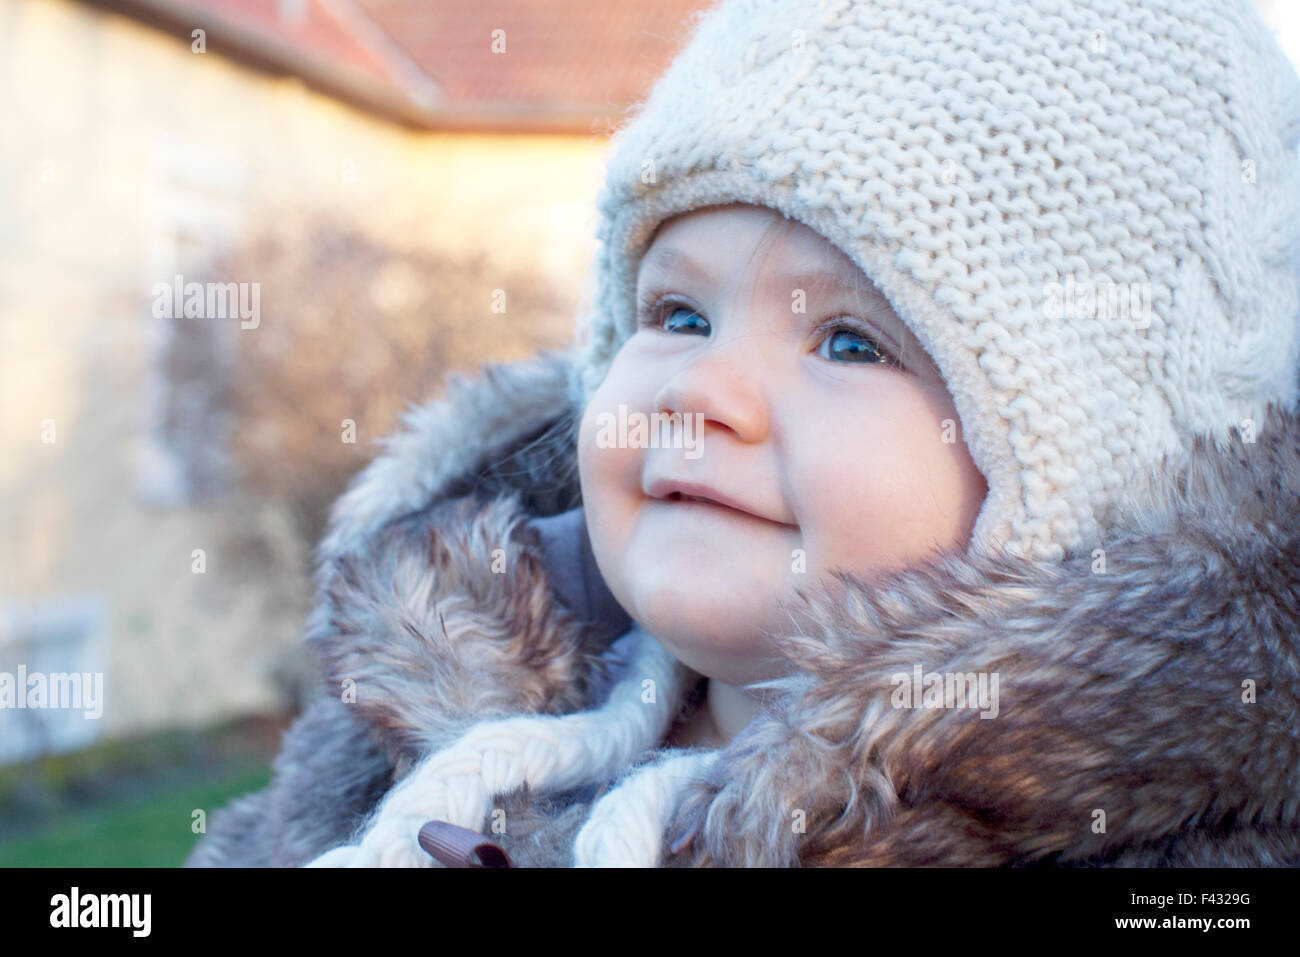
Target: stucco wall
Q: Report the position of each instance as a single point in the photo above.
(125, 155)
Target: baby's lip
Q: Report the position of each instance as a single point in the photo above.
(665, 488)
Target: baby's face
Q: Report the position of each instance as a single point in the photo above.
(834, 456)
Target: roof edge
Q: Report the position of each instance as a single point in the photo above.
(225, 38)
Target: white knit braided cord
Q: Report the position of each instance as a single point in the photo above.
(546, 752)
(626, 827)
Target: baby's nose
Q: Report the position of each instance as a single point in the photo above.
(723, 384)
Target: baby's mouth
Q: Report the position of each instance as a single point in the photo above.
(679, 497)
(664, 489)
(684, 499)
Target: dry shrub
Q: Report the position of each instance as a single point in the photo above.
(355, 328)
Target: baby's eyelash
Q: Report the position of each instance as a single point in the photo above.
(650, 307)
(860, 328)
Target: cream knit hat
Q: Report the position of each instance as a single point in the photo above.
(989, 164)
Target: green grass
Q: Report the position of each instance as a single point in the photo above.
(147, 830)
(129, 802)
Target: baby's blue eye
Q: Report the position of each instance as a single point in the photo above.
(855, 348)
(658, 312)
(845, 337)
(672, 327)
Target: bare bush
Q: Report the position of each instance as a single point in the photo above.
(353, 329)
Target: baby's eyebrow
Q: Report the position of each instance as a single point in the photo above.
(668, 259)
(815, 279)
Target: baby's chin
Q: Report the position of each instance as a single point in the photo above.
(732, 666)
(718, 642)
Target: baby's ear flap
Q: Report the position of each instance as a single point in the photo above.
(573, 574)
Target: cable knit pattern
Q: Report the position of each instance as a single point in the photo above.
(970, 155)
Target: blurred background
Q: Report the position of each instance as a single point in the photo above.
(381, 170)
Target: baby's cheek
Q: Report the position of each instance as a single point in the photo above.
(596, 453)
(872, 504)
(845, 508)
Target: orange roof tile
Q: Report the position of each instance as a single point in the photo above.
(567, 64)
(566, 54)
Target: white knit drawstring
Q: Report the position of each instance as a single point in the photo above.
(545, 752)
(626, 826)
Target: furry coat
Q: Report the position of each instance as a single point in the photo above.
(1149, 708)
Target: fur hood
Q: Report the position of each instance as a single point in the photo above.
(1147, 694)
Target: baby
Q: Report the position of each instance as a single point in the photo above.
(883, 254)
(823, 446)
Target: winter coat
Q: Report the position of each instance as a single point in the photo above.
(1149, 690)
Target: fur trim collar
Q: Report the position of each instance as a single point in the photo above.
(1148, 696)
